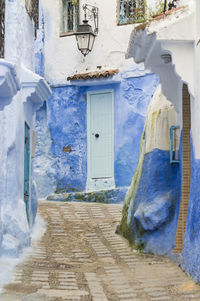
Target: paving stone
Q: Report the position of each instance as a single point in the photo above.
(163, 298)
(81, 258)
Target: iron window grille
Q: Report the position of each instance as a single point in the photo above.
(168, 5)
(32, 7)
(70, 15)
(2, 27)
(131, 11)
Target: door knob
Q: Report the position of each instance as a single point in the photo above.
(97, 135)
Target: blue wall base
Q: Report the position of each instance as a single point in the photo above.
(150, 219)
(113, 196)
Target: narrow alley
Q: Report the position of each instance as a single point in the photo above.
(81, 258)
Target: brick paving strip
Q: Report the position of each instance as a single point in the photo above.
(80, 258)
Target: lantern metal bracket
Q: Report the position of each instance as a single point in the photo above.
(95, 15)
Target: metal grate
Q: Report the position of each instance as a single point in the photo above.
(32, 7)
(168, 5)
(131, 11)
(2, 27)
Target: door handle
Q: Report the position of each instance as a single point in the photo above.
(97, 135)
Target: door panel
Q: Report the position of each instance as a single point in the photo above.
(101, 135)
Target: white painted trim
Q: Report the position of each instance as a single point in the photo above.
(9, 82)
(99, 184)
(34, 88)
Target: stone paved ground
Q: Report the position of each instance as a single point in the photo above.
(81, 259)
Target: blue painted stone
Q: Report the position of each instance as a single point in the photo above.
(153, 219)
(155, 214)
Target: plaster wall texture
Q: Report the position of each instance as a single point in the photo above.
(19, 38)
(149, 212)
(190, 254)
(62, 57)
(39, 45)
(16, 231)
(23, 91)
(189, 257)
(66, 125)
(181, 42)
(172, 35)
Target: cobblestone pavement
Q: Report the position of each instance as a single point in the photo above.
(81, 259)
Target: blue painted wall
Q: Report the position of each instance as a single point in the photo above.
(154, 216)
(132, 99)
(39, 45)
(67, 123)
(190, 259)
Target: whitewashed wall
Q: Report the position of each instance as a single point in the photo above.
(26, 92)
(19, 38)
(61, 54)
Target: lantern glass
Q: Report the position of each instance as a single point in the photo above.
(85, 42)
(91, 42)
(85, 38)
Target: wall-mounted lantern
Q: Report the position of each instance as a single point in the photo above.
(85, 35)
(174, 144)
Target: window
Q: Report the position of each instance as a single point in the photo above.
(70, 15)
(131, 11)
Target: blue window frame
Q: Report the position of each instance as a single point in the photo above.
(174, 141)
(70, 15)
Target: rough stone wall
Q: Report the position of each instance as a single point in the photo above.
(67, 123)
(149, 214)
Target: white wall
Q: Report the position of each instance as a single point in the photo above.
(27, 92)
(61, 54)
(19, 38)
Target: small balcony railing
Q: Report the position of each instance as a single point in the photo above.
(170, 4)
(2, 27)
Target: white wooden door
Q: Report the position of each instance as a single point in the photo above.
(100, 135)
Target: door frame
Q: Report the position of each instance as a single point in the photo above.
(27, 204)
(102, 183)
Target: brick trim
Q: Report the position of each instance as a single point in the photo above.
(186, 171)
